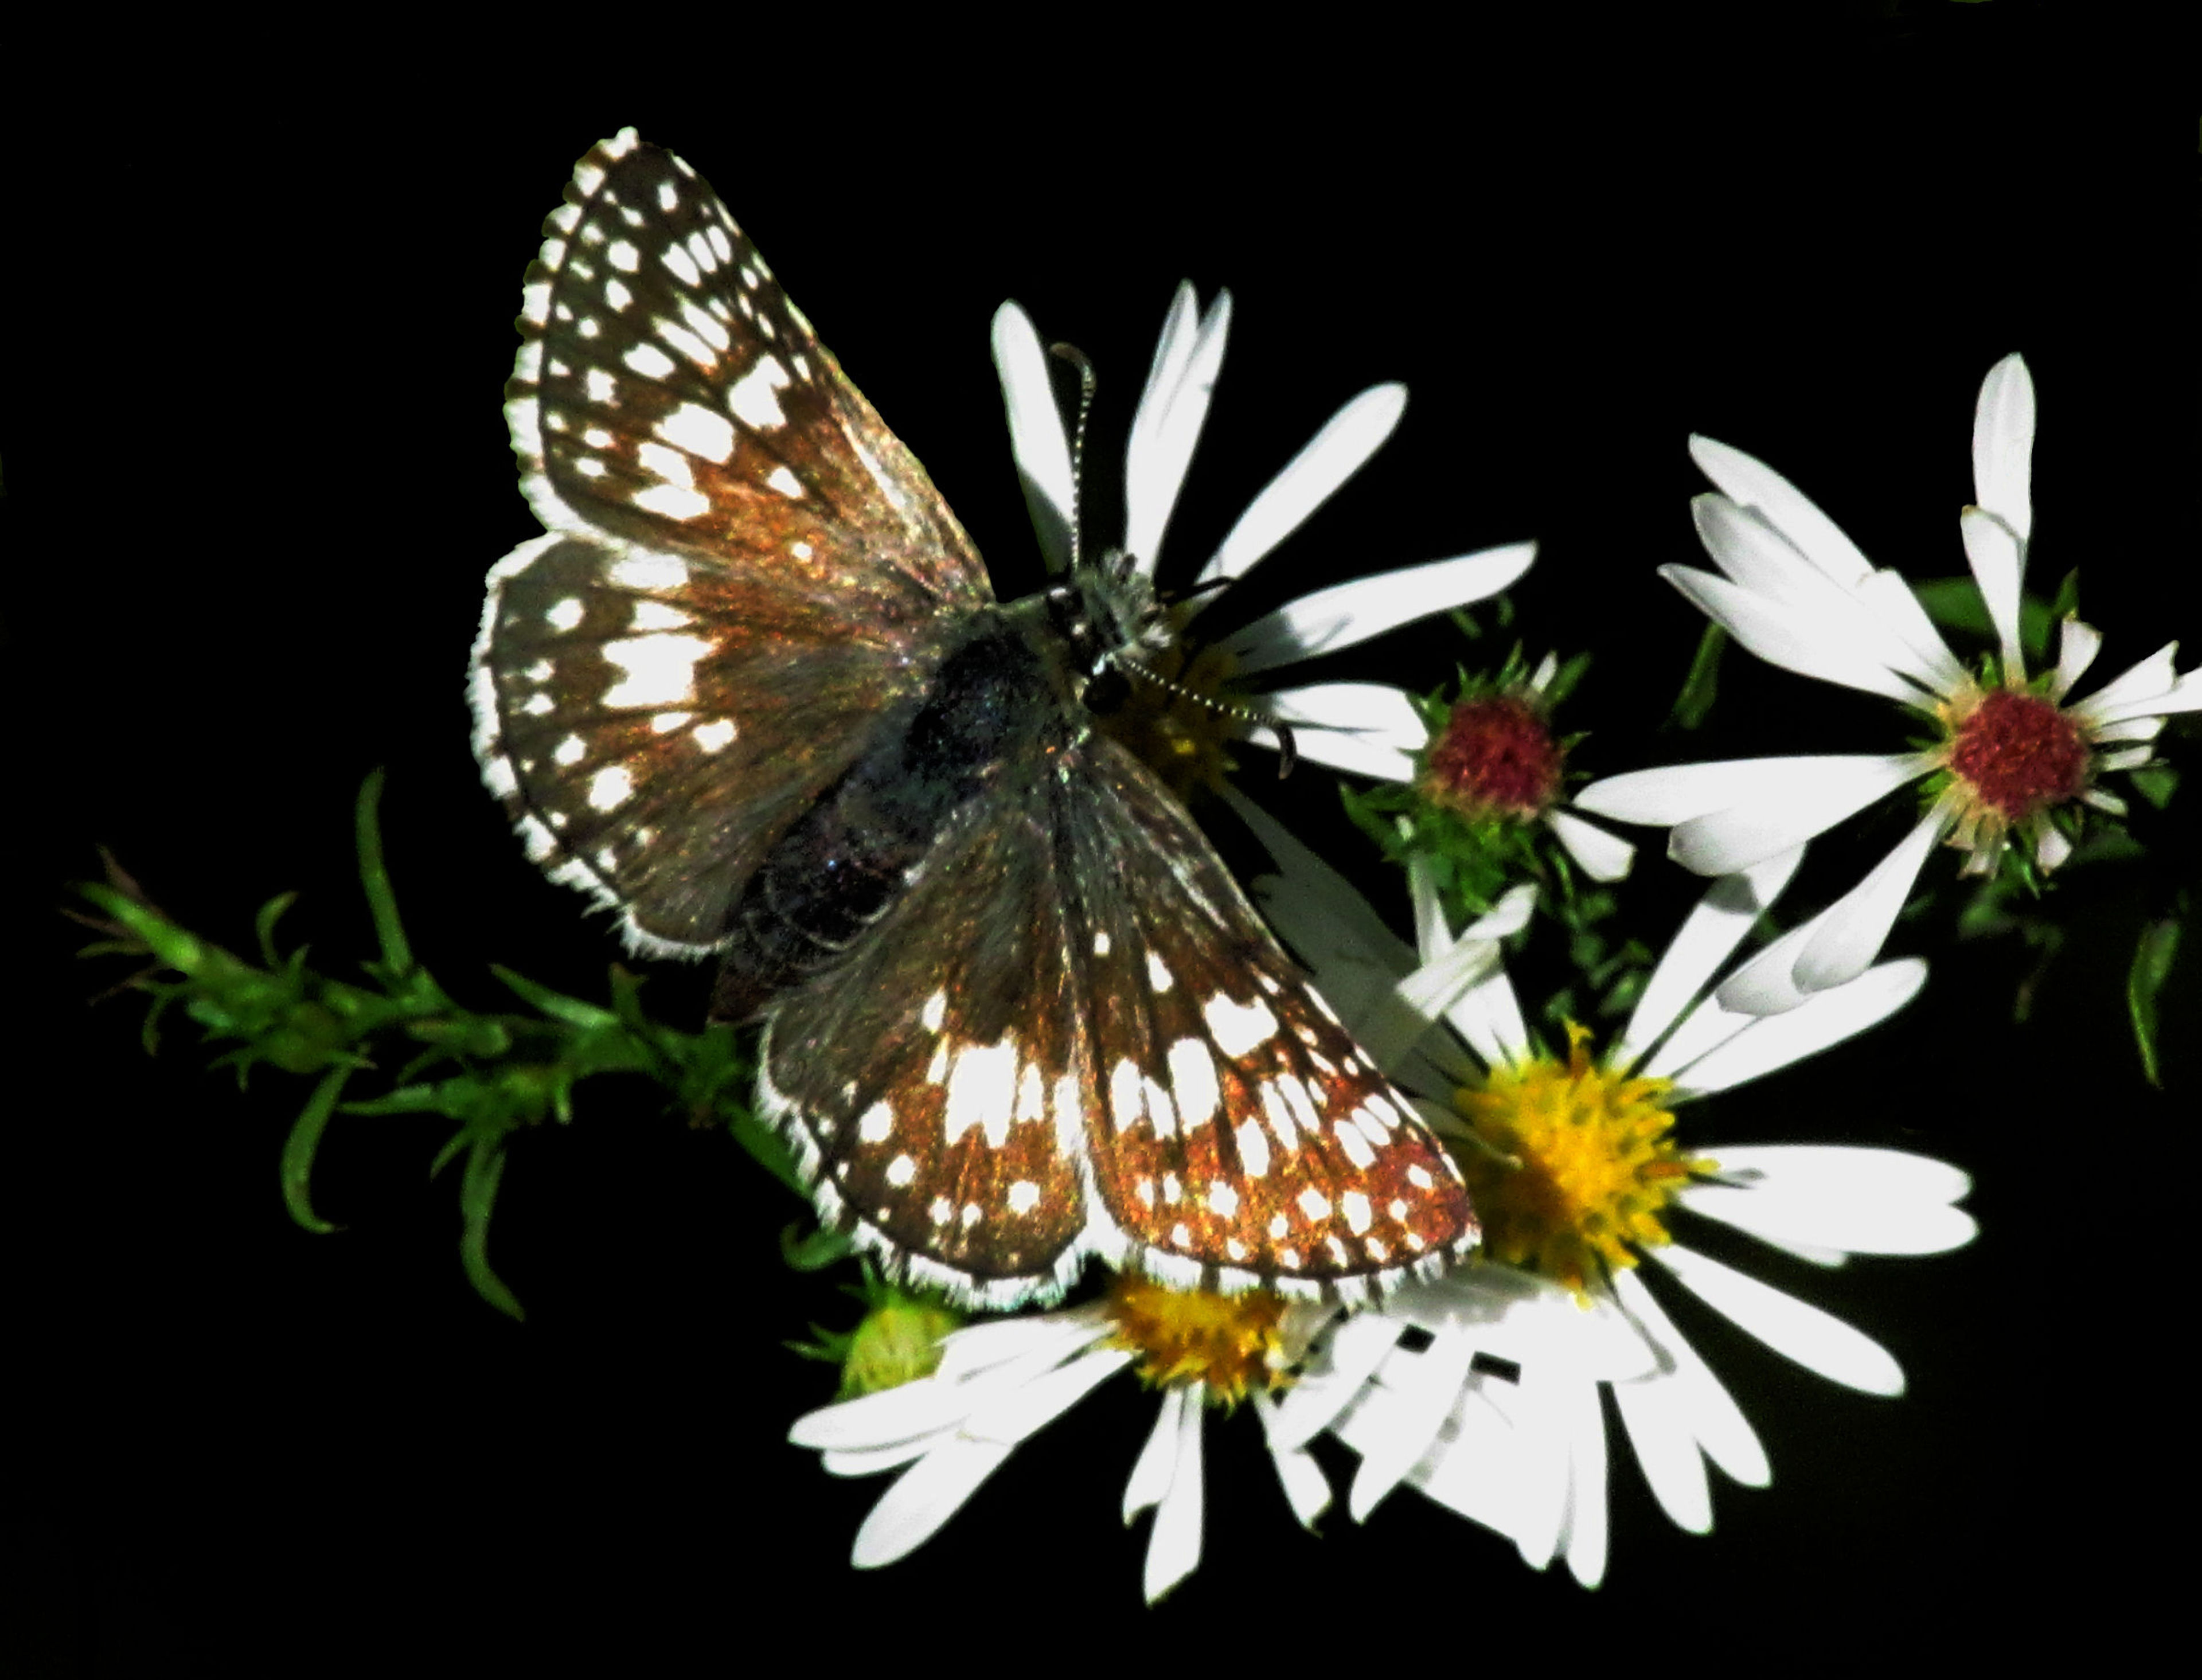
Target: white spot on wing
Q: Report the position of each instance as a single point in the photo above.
(660, 671)
(900, 1170)
(786, 483)
(1125, 1094)
(1192, 1077)
(982, 1088)
(711, 737)
(1239, 1027)
(563, 615)
(699, 432)
(611, 788)
(751, 397)
(935, 1011)
(647, 360)
(1354, 1206)
(1253, 1148)
(1024, 1196)
(877, 1124)
(1158, 974)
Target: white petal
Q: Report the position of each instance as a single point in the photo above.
(1168, 424)
(1373, 756)
(1307, 1489)
(1707, 938)
(1549, 1409)
(1845, 1171)
(1845, 1228)
(1600, 855)
(1425, 996)
(1483, 1469)
(1853, 929)
(1048, 1335)
(2050, 848)
(1157, 1460)
(1787, 812)
(1678, 792)
(1584, 1535)
(1335, 454)
(2142, 691)
(1755, 485)
(1350, 1357)
(1036, 434)
(2132, 729)
(1718, 1424)
(1173, 1548)
(2076, 647)
(1765, 984)
(1818, 1340)
(922, 1498)
(1378, 724)
(2002, 446)
(1888, 597)
(877, 1460)
(1348, 613)
(1429, 1394)
(1654, 1419)
(1036, 1404)
(1824, 644)
(1999, 561)
(1488, 1016)
(1822, 1020)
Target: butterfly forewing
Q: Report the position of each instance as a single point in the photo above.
(746, 567)
(667, 392)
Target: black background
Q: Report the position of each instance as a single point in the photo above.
(257, 326)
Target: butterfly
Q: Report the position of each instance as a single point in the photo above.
(753, 693)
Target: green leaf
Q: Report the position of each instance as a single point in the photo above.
(264, 926)
(374, 879)
(815, 1251)
(2153, 956)
(477, 1201)
(555, 1005)
(301, 1146)
(1702, 687)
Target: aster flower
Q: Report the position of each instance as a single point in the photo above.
(2014, 761)
(1575, 1174)
(1370, 728)
(998, 1383)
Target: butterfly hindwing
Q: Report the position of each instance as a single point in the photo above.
(1069, 1036)
(1237, 1134)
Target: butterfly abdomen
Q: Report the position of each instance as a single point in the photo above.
(839, 867)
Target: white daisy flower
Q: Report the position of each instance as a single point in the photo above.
(1574, 1172)
(999, 1383)
(2014, 758)
(1366, 727)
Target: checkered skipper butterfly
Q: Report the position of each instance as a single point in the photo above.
(752, 693)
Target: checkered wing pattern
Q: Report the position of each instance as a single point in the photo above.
(1114, 1059)
(743, 567)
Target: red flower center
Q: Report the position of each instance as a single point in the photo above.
(1495, 757)
(2018, 753)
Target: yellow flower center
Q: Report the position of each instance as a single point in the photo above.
(1576, 1165)
(1235, 1343)
(1181, 732)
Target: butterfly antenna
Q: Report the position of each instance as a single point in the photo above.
(1078, 359)
(1288, 753)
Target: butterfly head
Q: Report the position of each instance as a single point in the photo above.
(1110, 614)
